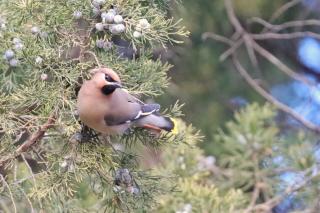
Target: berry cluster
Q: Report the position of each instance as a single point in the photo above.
(17, 45)
(9, 55)
(108, 20)
(38, 32)
(103, 44)
(111, 21)
(77, 14)
(123, 178)
(108, 23)
(142, 26)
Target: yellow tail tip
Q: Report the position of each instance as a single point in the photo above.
(175, 126)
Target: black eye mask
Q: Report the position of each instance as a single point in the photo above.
(108, 89)
(108, 78)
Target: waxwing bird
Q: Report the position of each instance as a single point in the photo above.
(106, 107)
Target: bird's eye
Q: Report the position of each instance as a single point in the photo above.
(108, 78)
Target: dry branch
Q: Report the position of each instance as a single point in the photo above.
(285, 36)
(270, 204)
(222, 39)
(34, 138)
(10, 193)
(280, 65)
(286, 25)
(37, 136)
(242, 36)
(250, 42)
(244, 73)
(283, 9)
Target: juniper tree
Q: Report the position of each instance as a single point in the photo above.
(259, 168)
(49, 161)
(276, 163)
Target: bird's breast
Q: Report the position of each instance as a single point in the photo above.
(92, 111)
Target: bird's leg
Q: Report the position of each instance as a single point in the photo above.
(128, 131)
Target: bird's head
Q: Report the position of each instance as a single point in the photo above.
(106, 80)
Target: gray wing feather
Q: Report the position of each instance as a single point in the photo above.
(125, 108)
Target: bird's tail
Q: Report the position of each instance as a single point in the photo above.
(158, 122)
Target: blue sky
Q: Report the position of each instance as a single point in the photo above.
(299, 96)
(309, 53)
(304, 100)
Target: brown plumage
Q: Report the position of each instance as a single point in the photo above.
(104, 106)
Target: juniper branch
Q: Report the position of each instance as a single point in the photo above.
(34, 138)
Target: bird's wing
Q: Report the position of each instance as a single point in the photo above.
(125, 108)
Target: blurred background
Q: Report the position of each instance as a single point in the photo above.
(213, 90)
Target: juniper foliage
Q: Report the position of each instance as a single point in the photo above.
(49, 161)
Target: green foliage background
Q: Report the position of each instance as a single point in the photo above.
(172, 172)
(199, 78)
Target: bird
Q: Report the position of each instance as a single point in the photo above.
(105, 106)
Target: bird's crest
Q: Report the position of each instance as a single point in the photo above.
(107, 71)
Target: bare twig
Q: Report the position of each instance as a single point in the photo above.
(30, 169)
(251, 53)
(242, 36)
(249, 38)
(216, 37)
(254, 197)
(233, 45)
(278, 171)
(5, 160)
(34, 138)
(232, 17)
(95, 57)
(231, 50)
(268, 205)
(15, 172)
(243, 72)
(283, 9)
(284, 36)
(11, 195)
(280, 65)
(289, 24)
(252, 46)
(28, 200)
(27, 178)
